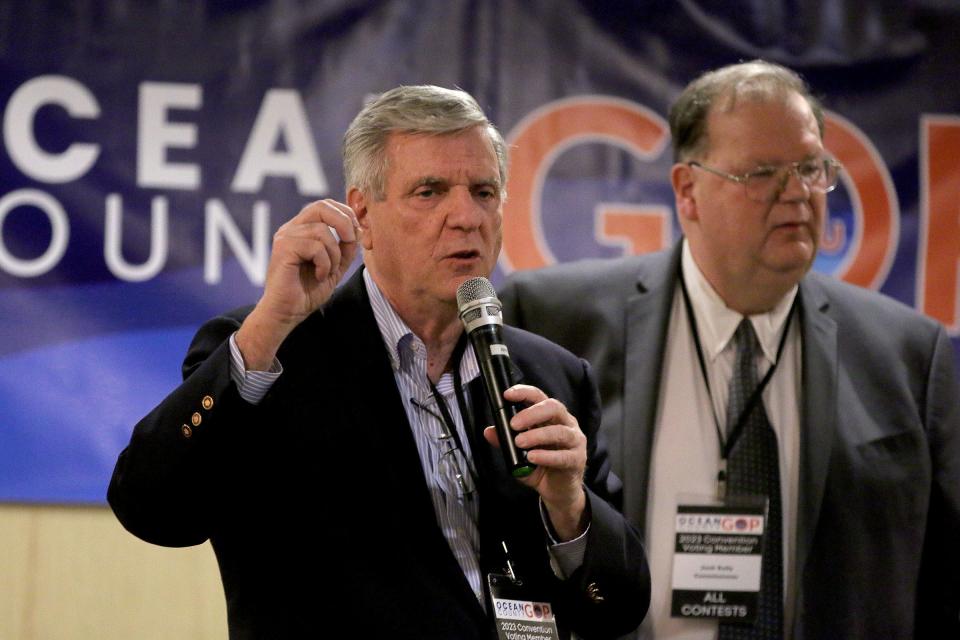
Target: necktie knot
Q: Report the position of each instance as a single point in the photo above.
(746, 340)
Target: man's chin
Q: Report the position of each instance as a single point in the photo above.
(792, 266)
(469, 269)
(796, 256)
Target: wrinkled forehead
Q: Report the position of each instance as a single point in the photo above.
(428, 157)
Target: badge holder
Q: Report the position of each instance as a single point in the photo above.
(718, 555)
(518, 615)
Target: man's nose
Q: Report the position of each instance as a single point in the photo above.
(792, 187)
(463, 210)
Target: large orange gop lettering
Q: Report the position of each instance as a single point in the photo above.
(635, 228)
(939, 219)
(536, 142)
(874, 201)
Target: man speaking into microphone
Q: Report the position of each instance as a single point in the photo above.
(334, 444)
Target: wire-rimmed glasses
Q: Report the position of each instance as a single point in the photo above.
(453, 471)
(455, 476)
(765, 183)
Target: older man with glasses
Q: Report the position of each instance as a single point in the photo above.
(789, 444)
(330, 443)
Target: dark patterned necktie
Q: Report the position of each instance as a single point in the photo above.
(753, 469)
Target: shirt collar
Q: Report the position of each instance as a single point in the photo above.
(716, 322)
(403, 346)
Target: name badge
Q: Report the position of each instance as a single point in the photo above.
(519, 616)
(717, 559)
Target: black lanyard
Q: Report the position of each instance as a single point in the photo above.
(733, 431)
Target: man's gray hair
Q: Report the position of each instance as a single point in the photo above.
(422, 109)
(754, 80)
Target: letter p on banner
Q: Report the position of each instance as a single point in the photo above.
(939, 255)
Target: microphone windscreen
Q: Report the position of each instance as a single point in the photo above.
(474, 289)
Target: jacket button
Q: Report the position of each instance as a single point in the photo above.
(195, 419)
(186, 431)
(207, 403)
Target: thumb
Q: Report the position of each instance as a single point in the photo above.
(490, 435)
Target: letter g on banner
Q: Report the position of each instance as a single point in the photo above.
(539, 139)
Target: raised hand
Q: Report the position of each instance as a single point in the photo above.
(310, 255)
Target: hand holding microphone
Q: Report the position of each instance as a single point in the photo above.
(542, 444)
(481, 314)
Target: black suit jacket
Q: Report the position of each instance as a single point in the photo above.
(878, 522)
(315, 501)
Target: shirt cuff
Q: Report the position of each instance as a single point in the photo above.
(565, 557)
(252, 385)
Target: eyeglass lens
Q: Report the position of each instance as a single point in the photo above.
(453, 470)
(764, 184)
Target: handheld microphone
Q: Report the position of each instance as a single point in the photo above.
(481, 314)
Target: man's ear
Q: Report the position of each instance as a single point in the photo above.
(681, 177)
(357, 200)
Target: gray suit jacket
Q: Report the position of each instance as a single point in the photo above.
(878, 523)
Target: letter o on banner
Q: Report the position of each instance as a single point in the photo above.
(58, 241)
(874, 199)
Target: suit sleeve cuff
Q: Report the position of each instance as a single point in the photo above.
(565, 557)
(252, 385)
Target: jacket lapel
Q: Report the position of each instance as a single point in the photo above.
(818, 422)
(482, 417)
(499, 492)
(380, 422)
(493, 477)
(646, 316)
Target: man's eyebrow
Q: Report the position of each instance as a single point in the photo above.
(768, 164)
(434, 181)
(428, 181)
(487, 182)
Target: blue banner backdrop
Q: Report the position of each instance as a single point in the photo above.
(150, 149)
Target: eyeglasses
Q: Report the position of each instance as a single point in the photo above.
(764, 184)
(454, 475)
